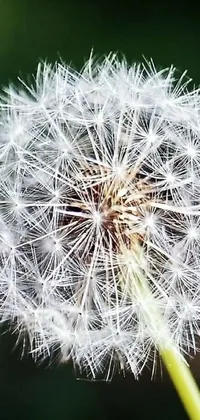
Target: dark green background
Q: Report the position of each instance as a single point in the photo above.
(48, 29)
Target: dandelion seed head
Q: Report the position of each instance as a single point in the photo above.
(100, 213)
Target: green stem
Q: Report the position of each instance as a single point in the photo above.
(183, 381)
(136, 283)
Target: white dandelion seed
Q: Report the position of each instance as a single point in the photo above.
(100, 213)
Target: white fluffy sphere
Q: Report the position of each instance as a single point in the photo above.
(100, 213)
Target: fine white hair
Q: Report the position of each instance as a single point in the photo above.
(99, 198)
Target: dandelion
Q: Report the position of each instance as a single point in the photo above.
(100, 217)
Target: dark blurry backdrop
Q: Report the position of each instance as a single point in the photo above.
(30, 30)
(49, 29)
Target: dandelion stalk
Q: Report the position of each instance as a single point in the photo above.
(100, 218)
(183, 380)
(176, 366)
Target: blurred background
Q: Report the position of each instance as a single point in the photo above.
(33, 30)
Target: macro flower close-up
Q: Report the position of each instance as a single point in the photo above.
(99, 213)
